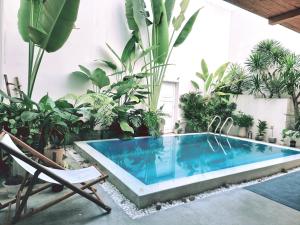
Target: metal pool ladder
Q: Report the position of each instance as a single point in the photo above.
(208, 128)
(229, 128)
(211, 123)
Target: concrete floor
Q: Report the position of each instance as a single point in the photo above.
(236, 207)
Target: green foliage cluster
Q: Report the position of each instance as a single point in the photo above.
(226, 80)
(262, 128)
(45, 26)
(199, 111)
(273, 71)
(151, 36)
(49, 122)
(243, 120)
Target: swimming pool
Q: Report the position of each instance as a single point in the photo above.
(151, 169)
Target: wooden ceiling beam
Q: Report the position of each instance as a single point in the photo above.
(278, 19)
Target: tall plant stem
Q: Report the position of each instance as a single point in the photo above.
(30, 63)
(161, 74)
(30, 49)
(35, 70)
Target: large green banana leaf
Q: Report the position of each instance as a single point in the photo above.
(186, 30)
(157, 10)
(26, 17)
(130, 16)
(177, 21)
(55, 23)
(160, 31)
(169, 5)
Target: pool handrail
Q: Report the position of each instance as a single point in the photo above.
(225, 122)
(211, 123)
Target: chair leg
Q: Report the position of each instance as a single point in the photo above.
(23, 204)
(13, 201)
(66, 196)
(7, 219)
(19, 193)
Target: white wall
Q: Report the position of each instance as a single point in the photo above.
(247, 29)
(98, 22)
(209, 39)
(104, 21)
(271, 110)
(221, 33)
(1, 40)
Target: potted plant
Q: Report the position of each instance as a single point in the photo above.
(244, 121)
(292, 135)
(272, 139)
(54, 150)
(262, 128)
(178, 128)
(12, 182)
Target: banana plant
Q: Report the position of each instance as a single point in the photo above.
(155, 35)
(213, 82)
(45, 26)
(98, 77)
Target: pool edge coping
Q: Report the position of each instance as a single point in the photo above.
(143, 191)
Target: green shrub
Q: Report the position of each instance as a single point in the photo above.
(243, 120)
(199, 111)
(193, 106)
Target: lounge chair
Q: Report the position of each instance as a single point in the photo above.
(51, 176)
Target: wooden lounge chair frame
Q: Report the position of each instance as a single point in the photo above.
(20, 200)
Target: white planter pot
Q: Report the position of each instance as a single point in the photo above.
(11, 189)
(242, 132)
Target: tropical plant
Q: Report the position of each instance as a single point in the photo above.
(96, 111)
(222, 82)
(178, 127)
(128, 94)
(199, 111)
(262, 128)
(128, 91)
(292, 134)
(98, 77)
(274, 71)
(220, 106)
(156, 46)
(11, 109)
(55, 122)
(37, 123)
(265, 64)
(212, 81)
(291, 76)
(45, 26)
(243, 120)
(237, 81)
(193, 106)
(153, 120)
(135, 120)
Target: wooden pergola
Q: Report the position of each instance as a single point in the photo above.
(283, 12)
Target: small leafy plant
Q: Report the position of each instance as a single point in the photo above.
(262, 128)
(243, 120)
(292, 134)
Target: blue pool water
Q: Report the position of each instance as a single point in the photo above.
(153, 160)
